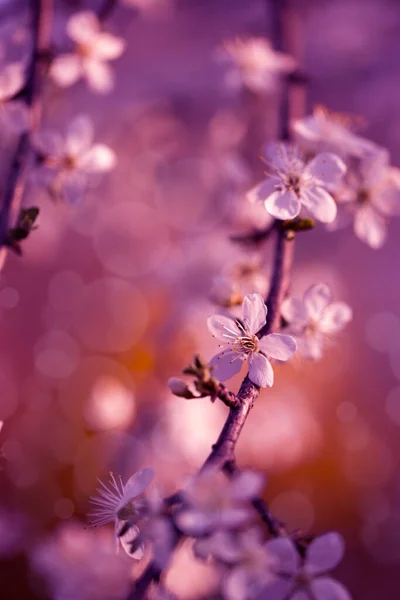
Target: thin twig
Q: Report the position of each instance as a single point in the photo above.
(41, 11)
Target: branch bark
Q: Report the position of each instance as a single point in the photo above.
(41, 15)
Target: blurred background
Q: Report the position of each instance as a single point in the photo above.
(111, 297)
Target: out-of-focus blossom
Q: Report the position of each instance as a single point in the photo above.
(13, 113)
(292, 183)
(324, 131)
(119, 503)
(314, 318)
(254, 64)
(245, 277)
(372, 197)
(212, 502)
(71, 165)
(249, 560)
(93, 49)
(81, 565)
(301, 580)
(242, 344)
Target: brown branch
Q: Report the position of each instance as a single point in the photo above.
(41, 11)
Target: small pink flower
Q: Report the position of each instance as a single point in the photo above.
(241, 343)
(93, 49)
(292, 183)
(14, 115)
(315, 318)
(254, 64)
(73, 164)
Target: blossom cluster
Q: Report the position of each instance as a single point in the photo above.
(218, 513)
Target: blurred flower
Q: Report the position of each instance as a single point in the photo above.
(324, 131)
(13, 113)
(248, 558)
(211, 501)
(293, 183)
(254, 64)
(297, 580)
(244, 277)
(93, 48)
(243, 344)
(372, 196)
(71, 165)
(119, 503)
(314, 318)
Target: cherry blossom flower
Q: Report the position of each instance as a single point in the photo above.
(305, 580)
(93, 48)
(254, 64)
(315, 318)
(212, 502)
(13, 113)
(244, 277)
(292, 183)
(72, 165)
(242, 344)
(372, 196)
(247, 557)
(324, 131)
(120, 503)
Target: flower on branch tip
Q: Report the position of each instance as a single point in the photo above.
(14, 116)
(371, 196)
(315, 318)
(324, 131)
(241, 344)
(93, 49)
(71, 165)
(292, 183)
(254, 64)
(213, 502)
(121, 503)
(297, 579)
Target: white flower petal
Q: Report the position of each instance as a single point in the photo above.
(370, 227)
(327, 168)
(285, 555)
(387, 201)
(138, 483)
(246, 485)
(230, 518)
(294, 311)
(335, 317)
(276, 345)
(99, 75)
(83, 27)
(126, 542)
(320, 203)
(108, 46)
(308, 128)
(79, 135)
(195, 522)
(73, 186)
(66, 69)
(324, 553)
(226, 365)
(262, 191)
(12, 78)
(325, 588)
(316, 298)
(223, 328)
(311, 346)
(98, 159)
(254, 312)
(283, 205)
(260, 371)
